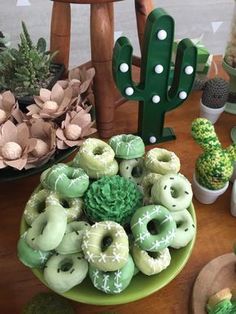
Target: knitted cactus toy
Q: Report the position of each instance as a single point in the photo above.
(214, 166)
(215, 92)
(154, 95)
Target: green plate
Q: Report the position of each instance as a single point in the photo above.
(11, 174)
(140, 286)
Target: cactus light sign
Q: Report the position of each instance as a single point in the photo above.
(155, 95)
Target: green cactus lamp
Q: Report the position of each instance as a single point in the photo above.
(153, 93)
(214, 167)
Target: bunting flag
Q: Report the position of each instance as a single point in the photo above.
(216, 26)
(22, 3)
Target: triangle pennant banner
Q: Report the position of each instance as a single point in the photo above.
(22, 3)
(216, 26)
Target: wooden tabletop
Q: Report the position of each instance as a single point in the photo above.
(215, 236)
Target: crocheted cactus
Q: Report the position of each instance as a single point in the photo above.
(214, 166)
(215, 93)
(155, 97)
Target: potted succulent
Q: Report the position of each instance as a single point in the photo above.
(214, 96)
(214, 166)
(229, 64)
(28, 68)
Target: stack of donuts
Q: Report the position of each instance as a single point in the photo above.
(112, 212)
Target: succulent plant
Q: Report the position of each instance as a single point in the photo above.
(26, 69)
(112, 198)
(214, 166)
(215, 92)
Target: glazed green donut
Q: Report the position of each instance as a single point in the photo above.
(132, 169)
(185, 228)
(94, 154)
(35, 205)
(163, 222)
(68, 181)
(73, 206)
(72, 240)
(115, 281)
(151, 264)
(147, 184)
(30, 257)
(162, 161)
(106, 257)
(172, 191)
(127, 146)
(48, 229)
(63, 272)
(110, 170)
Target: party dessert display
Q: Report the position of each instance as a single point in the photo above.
(112, 212)
(153, 92)
(214, 166)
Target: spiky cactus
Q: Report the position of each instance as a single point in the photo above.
(153, 92)
(214, 166)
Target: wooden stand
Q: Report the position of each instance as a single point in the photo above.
(102, 42)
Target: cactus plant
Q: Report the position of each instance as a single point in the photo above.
(214, 166)
(215, 92)
(153, 91)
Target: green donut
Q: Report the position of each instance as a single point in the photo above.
(185, 228)
(48, 229)
(151, 264)
(132, 169)
(162, 161)
(73, 206)
(94, 154)
(115, 281)
(173, 191)
(67, 181)
(127, 146)
(30, 257)
(35, 205)
(147, 184)
(164, 228)
(72, 240)
(106, 257)
(110, 170)
(63, 272)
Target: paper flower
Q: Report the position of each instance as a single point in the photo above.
(45, 136)
(112, 198)
(74, 128)
(51, 104)
(15, 145)
(7, 106)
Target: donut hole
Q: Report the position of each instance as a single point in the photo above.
(164, 158)
(137, 172)
(174, 191)
(98, 151)
(179, 224)
(65, 265)
(152, 227)
(41, 206)
(106, 242)
(153, 254)
(64, 203)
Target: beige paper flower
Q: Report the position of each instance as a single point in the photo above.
(7, 105)
(45, 135)
(74, 128)
(15, 145)
(52, 104)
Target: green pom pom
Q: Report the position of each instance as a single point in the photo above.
(48, 303)
(112, 198)
(223, 307)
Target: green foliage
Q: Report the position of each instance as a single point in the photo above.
(26, 69)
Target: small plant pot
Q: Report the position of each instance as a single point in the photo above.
(212, 114)
(231, 103)
(204, 195)
(233, 200)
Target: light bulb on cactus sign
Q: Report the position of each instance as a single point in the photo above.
(155, 95)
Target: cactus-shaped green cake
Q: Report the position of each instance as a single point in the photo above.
(215, 92)
(214, 166)
(154, 95)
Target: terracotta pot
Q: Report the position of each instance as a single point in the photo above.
(230, 106)
(212, 114)
(204, 195)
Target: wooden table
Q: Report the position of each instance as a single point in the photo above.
(215, 236)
